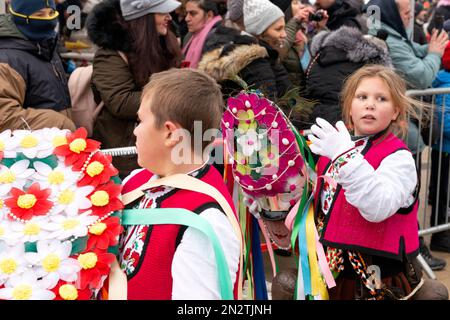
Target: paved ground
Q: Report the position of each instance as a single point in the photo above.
(444, 275)
(286, 262)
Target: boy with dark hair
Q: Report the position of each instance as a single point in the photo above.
(169, 261)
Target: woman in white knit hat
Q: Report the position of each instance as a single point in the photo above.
(229, 53)
(265, 21)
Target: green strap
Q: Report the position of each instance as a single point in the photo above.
(190, 219)
(303, 146)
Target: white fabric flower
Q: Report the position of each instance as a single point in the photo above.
(52, 262)
(26, 287)
(55, 136)
(12, 261)
(249, 143)
(72, 199)
(64, 227)
(6, 235)
(7, 144)
(56, 179)
(16, 176)
(32, 143)
(30, 231)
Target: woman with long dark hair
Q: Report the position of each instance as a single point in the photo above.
(134, 42)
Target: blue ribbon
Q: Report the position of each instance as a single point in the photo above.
(258, 264)
(303, 248)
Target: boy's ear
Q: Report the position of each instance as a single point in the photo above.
(173, 134)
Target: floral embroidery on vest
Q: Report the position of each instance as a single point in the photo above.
(133, 240)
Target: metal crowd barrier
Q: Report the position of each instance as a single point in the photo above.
(429, 96)
(85, 56)
(117, 152)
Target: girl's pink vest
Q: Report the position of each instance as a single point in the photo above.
(152, 279)
(345, 228)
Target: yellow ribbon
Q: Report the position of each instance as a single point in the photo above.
(317, 284)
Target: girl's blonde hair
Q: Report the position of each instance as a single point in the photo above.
(397, 88)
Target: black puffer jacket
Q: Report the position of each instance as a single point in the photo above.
(38, 64)
(227, 53)
(337, 55)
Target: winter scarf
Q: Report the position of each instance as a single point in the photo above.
(193, 49)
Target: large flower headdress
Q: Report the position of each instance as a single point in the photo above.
(262, 147)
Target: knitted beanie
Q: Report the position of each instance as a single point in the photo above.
(133, 9)
(234, 9)
(260, 15)
(446, 58)
(28, 7)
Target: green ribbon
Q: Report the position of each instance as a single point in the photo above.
(303, 146)
(190, 219)
(51, 160)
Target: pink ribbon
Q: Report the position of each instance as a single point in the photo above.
(323, 263)
(269, 246)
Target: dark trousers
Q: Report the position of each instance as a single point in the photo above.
(441, 202)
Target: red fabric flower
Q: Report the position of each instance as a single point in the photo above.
(94, 265)
(1, 155)
(34, 202)
(99, 171)
(105, 199)
(104, 234)
(77, 149)
(84, 294)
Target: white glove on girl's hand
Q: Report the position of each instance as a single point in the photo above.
(329, 141)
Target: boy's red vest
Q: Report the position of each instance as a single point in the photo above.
(152, 279)
(344, 226)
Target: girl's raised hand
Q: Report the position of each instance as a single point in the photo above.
(329, 141)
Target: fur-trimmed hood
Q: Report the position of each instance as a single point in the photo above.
(225, 67)
(104, 29)
(358, 47)
(227, 52)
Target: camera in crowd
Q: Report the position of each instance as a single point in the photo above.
(317, 16)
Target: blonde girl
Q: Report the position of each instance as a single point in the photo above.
(366, 193)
